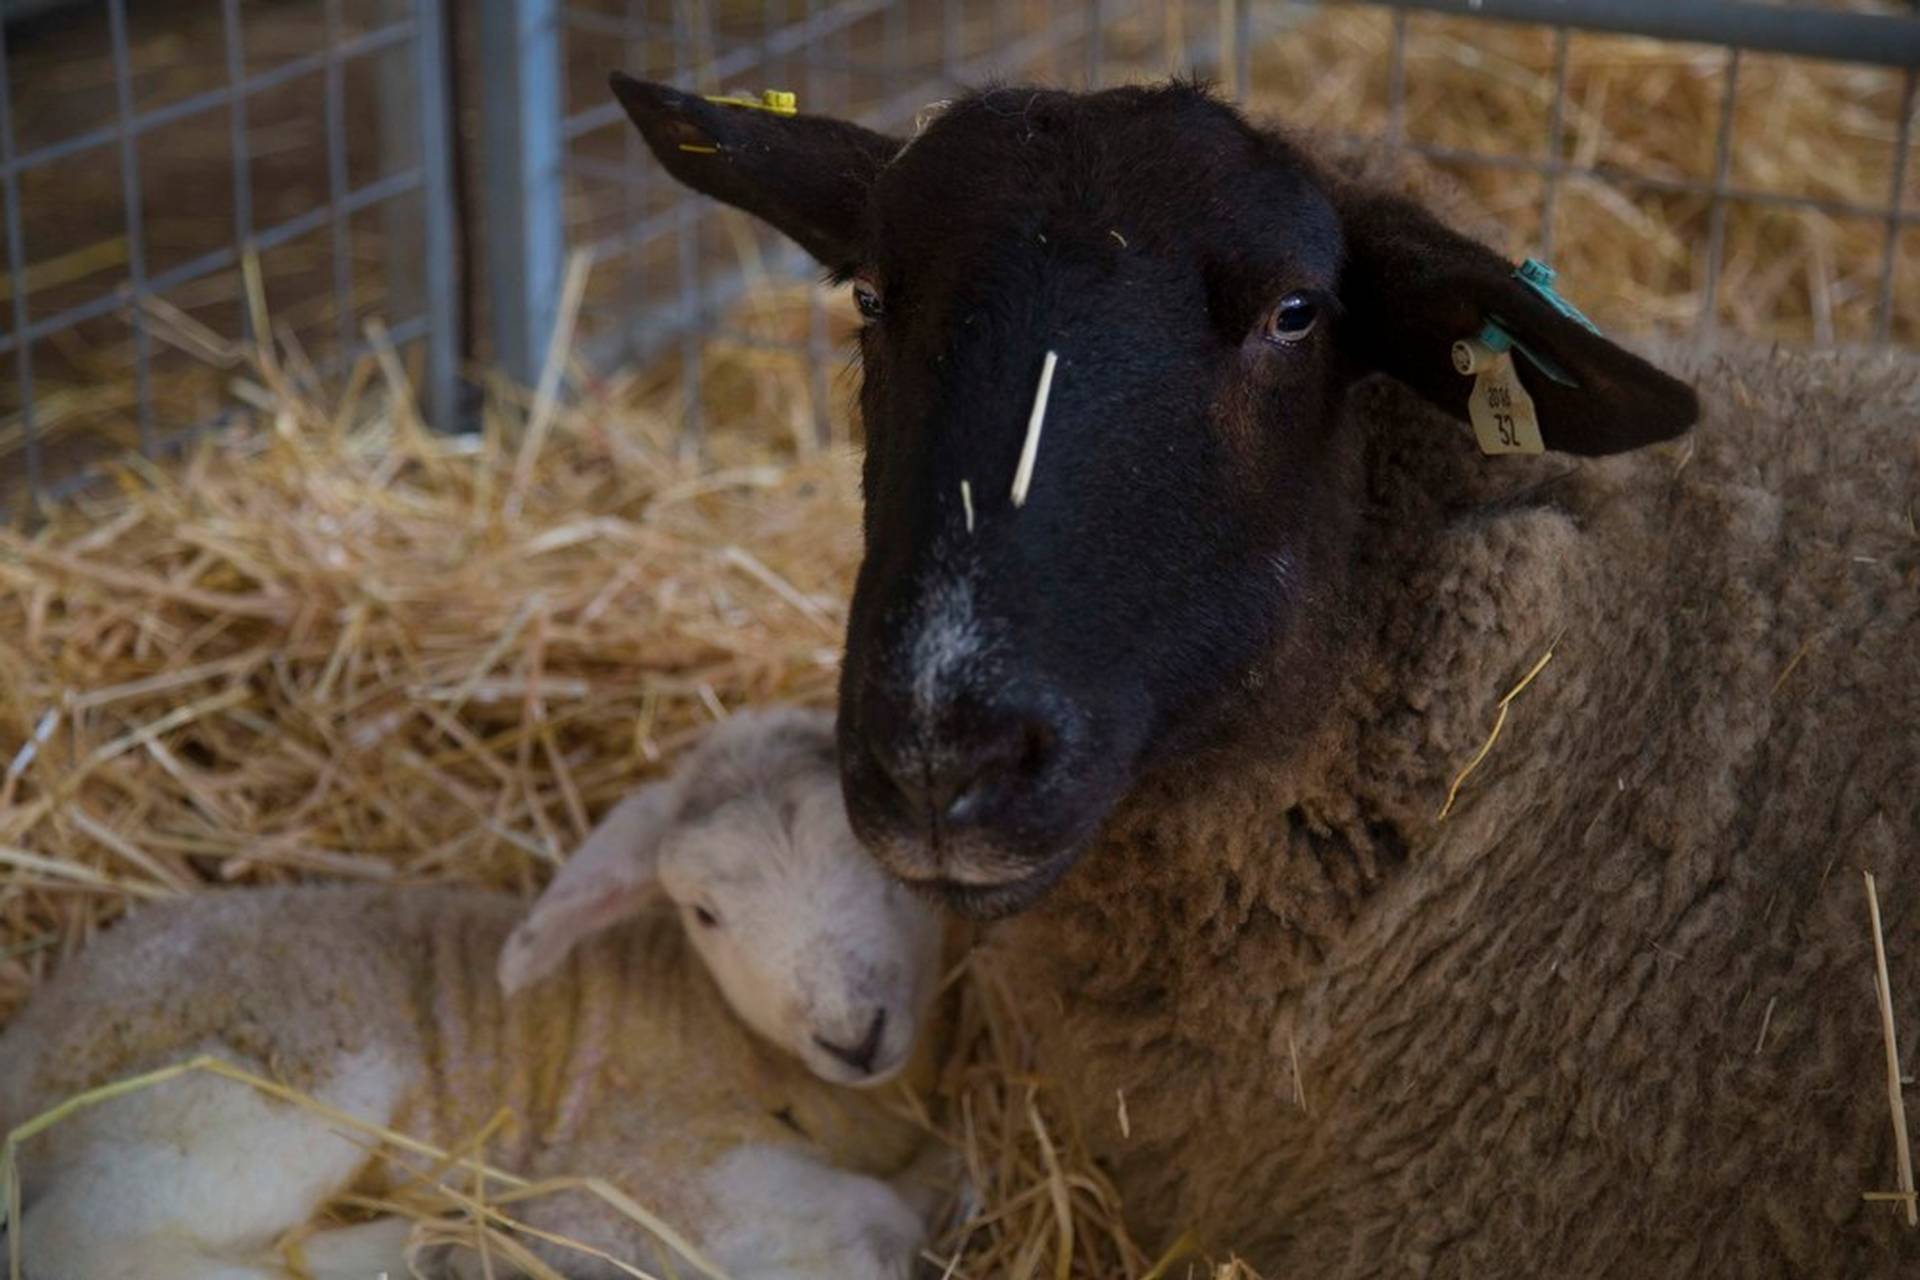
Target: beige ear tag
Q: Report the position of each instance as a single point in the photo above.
(1503, 416)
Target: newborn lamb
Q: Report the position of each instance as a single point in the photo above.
(700, 1064)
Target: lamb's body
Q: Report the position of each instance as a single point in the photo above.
(1530, 1036)
(628, 1064)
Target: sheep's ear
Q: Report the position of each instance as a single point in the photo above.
(806, 175)
(1411, 288)
(610, 877)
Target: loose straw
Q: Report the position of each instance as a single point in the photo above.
(1023, 474)
(1494, 736)
(1896, 1103)
(546, 397)
(612, 1196)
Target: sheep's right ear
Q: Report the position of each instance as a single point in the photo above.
(805, 175)
(611, 876)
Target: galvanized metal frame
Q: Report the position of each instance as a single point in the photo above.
(529, 144)
(1737, 25)
(419, 36)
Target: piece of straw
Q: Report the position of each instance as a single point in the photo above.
(207, 1063)
(1030, 448)
(1896, 1102)
(966, 503)
(546, 398)
(1498, 721)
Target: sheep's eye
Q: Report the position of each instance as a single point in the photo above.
(867, 298)
(1292, 319)
(706, 918)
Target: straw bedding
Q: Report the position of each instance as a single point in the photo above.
(329, 643)
(332, 644)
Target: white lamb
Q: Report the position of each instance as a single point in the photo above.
(628, 1063)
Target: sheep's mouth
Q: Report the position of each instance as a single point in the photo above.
(999, 898)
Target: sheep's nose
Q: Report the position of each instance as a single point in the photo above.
(986, 754)
(859, 1056)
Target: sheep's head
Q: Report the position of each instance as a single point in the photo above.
(1019, 653)
(814, 946)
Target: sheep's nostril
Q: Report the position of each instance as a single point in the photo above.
(859, 1056)
(1018, 756)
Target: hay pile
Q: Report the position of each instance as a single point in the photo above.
(331, 644)
(1634, 258)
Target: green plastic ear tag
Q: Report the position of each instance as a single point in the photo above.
(1537, 276)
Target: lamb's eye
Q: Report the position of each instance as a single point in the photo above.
(707, 919)
(1292, 319)
(867, 298)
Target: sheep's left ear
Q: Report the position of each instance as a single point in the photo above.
(613, 874)
(805, 175)
(1411, 288)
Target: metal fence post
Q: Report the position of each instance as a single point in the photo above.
(522, 147)
(443, 337)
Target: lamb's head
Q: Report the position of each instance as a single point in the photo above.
(814, 946)
(1048, 608)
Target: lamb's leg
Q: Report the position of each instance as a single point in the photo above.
(788, 1216)
(193, 1179)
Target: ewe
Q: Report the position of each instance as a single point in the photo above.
(627, 1063)
(1202, 643)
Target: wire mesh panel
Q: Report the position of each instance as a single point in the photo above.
(1690, 166)
(1716, 164)
(154, 158)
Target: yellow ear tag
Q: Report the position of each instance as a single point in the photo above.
(779, 102)
(1503, 415)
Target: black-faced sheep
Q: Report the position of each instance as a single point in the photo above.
(627, 1063)
(1195, 699)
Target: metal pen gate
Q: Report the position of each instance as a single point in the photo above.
(436, 164)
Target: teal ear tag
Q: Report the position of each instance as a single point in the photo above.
(1538, 276)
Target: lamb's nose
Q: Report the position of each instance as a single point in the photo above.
(859, 1056)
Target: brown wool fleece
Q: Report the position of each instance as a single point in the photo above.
(1527, 1034)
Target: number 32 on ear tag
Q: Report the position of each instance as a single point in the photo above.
(1503, 416)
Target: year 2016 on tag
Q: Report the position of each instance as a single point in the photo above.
(1504, 420)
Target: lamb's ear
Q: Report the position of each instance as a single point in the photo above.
(1411, 288)
(611, 876)
(806, 175)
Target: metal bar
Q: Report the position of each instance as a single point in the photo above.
(218, 260)
(636, 177)
(788, 40)
(336, 122)
(134, 201)
(817, 355)
(1717, 212)
(1556, 121)
(211, 100)
(1397, 82)
(632, 26)
(1642, 182)
(522, 145)
(1063, 30)
(17, 267)
(237, 139)
(688, 208)
(1896, 202)
(433, 90)
(171, 442)
(1242, 48)
(1837, 35)
(1096, 43)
